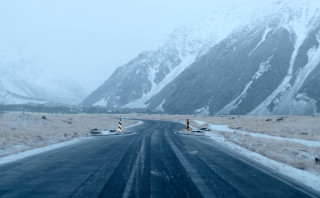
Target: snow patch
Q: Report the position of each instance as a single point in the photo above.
(225, 128)
(156, 88)
(103, 102)
(31, 80)
(199, 122)
(264, 67)
(36, 151)
(299, 21)
(160, 107)
(313, 61)
(299, 175)
(134, 125)
(288, 103)
(202, 111)
(266, 32)
(7, 98)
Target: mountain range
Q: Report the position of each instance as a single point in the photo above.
(232, 61)
(271, 65)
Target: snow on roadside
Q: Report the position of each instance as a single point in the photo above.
(26, 134)
(199, 122)
(290, 155)
(107, 132)
(299, 175)
(134, 125)
(225, 128)
(18, 156)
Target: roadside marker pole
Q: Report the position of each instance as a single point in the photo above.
(119, 126)
(188, 125)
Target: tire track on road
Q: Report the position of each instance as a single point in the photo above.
(96, 181)
(194, 175)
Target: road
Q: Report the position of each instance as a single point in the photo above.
(154, 161)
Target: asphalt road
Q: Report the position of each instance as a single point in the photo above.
(152, 162)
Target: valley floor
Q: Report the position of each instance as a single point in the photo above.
(21, 131)
(288, 144)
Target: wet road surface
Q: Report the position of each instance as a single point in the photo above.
(154, 161)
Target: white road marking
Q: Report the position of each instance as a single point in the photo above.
(128, 187)
(195, 177)
(262, 170)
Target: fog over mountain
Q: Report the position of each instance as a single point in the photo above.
(83, 42)
(72, 46)
(204, 57)
(27, 82)
(263, 63)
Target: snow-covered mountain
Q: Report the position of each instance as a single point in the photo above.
(133, 84)
(269, 66)
(24, 81)
(136, 82)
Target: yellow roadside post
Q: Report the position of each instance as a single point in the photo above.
(188, 125)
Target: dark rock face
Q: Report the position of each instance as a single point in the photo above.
(149, 70)
(131, 81)
(222, 74)
(311, 87)
(267, 68)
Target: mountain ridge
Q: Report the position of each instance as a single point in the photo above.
(265, 67)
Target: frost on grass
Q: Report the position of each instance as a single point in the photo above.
(296, 155)
(292, 140)
(293, 158)
(23, 131)
(278, 126)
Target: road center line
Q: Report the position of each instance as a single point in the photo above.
(128, 187)
(195, 177)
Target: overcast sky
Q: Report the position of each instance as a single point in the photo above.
(88, 39)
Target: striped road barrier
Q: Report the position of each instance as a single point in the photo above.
(188, 125)
(119, 126)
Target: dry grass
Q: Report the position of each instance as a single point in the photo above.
(22, 131)
(290, 127)
(294, 154)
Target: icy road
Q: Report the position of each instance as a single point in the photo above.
(152, 162)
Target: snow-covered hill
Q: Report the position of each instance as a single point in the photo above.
(136, 82)
(133, 84)
(269, 66)
(24, 82)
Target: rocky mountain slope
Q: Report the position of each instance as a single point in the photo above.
(136, 82)
(271, 66)
(133, 84)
